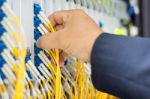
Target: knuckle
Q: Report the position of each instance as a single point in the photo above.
(55, 13)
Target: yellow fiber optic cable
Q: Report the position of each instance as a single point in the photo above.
(82, 83)
(55, 55)
(58, 72)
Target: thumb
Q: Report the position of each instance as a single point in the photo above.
(50, 40)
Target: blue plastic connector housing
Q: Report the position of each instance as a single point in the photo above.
(37, 61)
(131, 10)
(2, 46)
(37, 9)
(2, 76)
(2, 30)
(2, 61)
(37, 21)
(36, 49)
(27, 58)
(29, 74)
(2, 2)
(37, 34)
(101, 24)
(65, 62)
(2, 15)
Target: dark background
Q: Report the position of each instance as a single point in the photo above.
(143, 19)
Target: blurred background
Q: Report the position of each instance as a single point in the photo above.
(139, 14)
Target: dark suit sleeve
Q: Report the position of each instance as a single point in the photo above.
(121, 66)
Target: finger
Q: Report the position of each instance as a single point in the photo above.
(61, 60)
(59, 27)
(50, 40)
(58, 18)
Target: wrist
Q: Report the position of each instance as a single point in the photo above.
(92, 41)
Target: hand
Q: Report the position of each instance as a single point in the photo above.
(75, 34)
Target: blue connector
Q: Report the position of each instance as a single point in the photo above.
(65, 62)
(131, 10)
(27, 58)
(2, 30)
(37, 61)
(37, 9)
(37, 21)
(101, 24)
(2, 76)
(2, 2)
(37, 34)
(2, 61)
(2, 46)
(36, 49)
(2, 15)
(29, 74)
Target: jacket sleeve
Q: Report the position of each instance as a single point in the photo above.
(121, 66)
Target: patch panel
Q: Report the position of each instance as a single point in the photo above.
(43, 77)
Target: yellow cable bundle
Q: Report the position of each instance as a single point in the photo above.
(81, 80)
(58, 72)
(84, 85)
